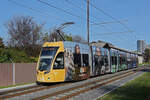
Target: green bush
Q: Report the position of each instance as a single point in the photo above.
(16, 55)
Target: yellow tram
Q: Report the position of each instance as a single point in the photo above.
(70, 61)
(63, 61)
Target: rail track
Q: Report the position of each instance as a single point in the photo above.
(74, 91)
(21, 89)
(66, 93)
(27, 90)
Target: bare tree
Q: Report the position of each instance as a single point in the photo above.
(58, 35)
(45, 37)
(23, 31)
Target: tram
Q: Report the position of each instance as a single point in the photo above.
(70, 61)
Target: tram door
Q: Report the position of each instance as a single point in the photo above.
(58, 67)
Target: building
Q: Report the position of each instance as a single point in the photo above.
(141, 46)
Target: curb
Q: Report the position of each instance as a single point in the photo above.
(17, 87)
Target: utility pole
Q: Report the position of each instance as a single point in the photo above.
(88, 24)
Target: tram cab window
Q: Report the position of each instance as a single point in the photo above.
(59, 61)
(85, 58)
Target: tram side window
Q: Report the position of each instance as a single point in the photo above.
(102, 61)
(77, 60)
(124, 60)
(120, 60)
(59, 61)
(113, 60)
(106, 60)
(85, 58)
(98, 60)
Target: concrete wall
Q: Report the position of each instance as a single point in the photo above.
(24, 73)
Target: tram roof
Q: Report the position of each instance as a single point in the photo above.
(111, 46)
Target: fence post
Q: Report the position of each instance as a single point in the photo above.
(13, 65)
(14, 80)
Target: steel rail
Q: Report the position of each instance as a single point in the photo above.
(77, 87)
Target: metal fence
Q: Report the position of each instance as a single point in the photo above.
(17, 73)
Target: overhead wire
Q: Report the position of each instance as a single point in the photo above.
(109, 22)
(35, 10)
(109, 33)
(38, 11)
(62, 10)
(77, 6)
(71, 3)
(102, 23)
(115, 19)
(102, 11)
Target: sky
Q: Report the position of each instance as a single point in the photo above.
(134, 14)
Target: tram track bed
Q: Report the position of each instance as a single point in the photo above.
(60, 91)
(101, 91)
